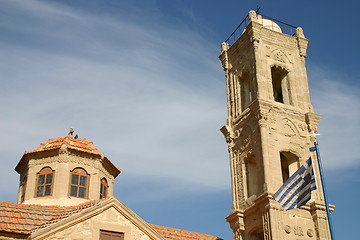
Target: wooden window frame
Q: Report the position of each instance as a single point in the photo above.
(104, 186)
(80, 172)
(46, 171)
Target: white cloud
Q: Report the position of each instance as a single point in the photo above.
(142, 92)
(151, 96)
(337, 98)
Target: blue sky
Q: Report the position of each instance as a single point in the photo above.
(142, 80)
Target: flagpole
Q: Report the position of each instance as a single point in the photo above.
(316, 148)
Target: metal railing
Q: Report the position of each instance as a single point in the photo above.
(285, 28)
(237, 32)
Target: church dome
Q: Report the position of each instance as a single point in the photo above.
(71, 143)
(79, 144)
(65, 171)
(270, 25)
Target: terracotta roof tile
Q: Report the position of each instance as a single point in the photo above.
(178, 234)
(80, 144)
(24, 219)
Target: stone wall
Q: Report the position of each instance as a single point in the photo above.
(110, 219)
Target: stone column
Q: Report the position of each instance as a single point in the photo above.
(319, 216)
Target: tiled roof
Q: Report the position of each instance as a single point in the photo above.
(178, 234)
(24, 219)
(80, 144)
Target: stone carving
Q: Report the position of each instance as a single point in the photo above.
(266, 226)
(279, 56)
(226, 130)
(245, 137)
(287, 229)
(310, 232)
(63, 149)
(255, 40)
(302, 45)
(289, 129)
(299, 32)
(252, 16)
(298, 231)
(224, 46)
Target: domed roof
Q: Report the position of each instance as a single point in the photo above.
(80, 144)
(72, 143)
(271, 25)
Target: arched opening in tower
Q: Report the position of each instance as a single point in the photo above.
(280, 84)
(289, 164)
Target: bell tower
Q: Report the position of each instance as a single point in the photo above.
(270, 117)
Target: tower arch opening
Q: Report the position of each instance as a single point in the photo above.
(289, 164)
(252, 180)
(281, 85)
(246, 90)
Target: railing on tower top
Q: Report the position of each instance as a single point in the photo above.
(285, 28)
(238, 31)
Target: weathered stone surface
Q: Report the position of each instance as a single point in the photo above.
(61, 158)
(269, 120)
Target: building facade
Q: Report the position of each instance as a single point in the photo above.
(66, 192)
(270, 118)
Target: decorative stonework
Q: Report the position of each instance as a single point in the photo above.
(272, 124)
(298, 231)
(288, 128)
(266, 228)
(287, 229)
(310, 232)
(245, 137)
(279, 56)
(63, 155)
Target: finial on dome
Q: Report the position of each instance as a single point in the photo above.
(71, 132)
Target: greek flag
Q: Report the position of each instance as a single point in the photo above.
(296, 191)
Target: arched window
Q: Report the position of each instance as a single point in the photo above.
(289, 164)
(281, 85)
(103, 188)
(246, 92)
(44, 182)
(251, 176)
(79, 180)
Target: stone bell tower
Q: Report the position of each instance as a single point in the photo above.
(269, 120)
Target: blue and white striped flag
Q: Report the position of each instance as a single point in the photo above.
(296, 191)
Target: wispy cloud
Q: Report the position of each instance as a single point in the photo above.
(149, 96)
(338, 100)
